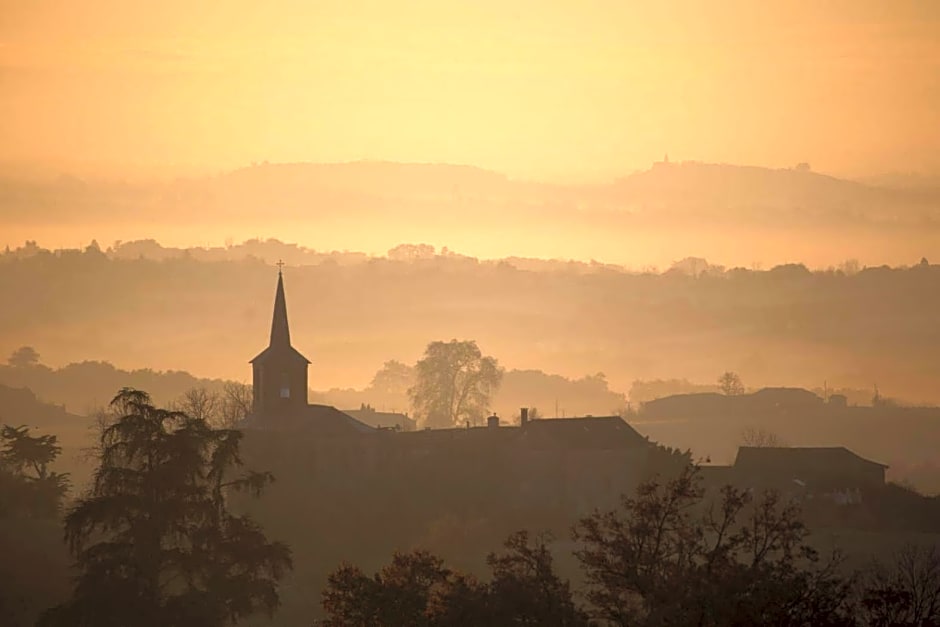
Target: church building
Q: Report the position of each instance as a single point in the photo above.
(279, 383)
(573, 463)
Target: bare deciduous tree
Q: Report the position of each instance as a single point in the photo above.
(199, 403)
(234, 405)
(225, 409)
(760, 437)
(905, 591)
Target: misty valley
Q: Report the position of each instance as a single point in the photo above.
(489, 313)
(701, 429)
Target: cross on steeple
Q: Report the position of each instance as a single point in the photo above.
(279, 264)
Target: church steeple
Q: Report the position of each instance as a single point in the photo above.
(279, 371)
(280, 330)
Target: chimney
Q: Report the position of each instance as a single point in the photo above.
(524, 416)
(493, 421)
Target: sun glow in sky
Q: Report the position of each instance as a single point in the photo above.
(575, 90)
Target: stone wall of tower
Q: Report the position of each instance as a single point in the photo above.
(280, 385)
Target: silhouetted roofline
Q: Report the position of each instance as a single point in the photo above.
(272, 351)
(587, 433)
(758, 453)
(321, 420)
(578, 419)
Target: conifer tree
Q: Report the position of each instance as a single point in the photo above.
(27, 485)
(154, 541)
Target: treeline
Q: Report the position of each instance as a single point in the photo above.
(82, 388)
(45, 396)
(271, 250)
(848, 328)
(670, 555)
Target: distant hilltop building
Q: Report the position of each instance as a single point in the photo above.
(665, 163)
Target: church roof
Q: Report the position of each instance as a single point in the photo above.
(272, 351)
(319, 420)
(327, 420)
(279, 345)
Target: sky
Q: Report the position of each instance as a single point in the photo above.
(560, 90)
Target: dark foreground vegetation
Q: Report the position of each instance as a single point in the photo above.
(156, 540)
(153, 540)
(670, 555)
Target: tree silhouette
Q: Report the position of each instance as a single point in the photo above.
(24, 357)
(225, 409)
(154, 541)
(28, 486)
(525, 590)
(417, 589)
(234, 404)
(904, 592)
(668, 558)
(730, 384)
(410, 591)
(199, 403)
(23, 452)
(393, 377)
(454, 383)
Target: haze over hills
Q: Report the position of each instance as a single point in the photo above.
(241, 240)
(733, 215)
(64, 401)
(207, 311)
(325, 187)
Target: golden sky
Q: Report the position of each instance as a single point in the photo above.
(545, 89)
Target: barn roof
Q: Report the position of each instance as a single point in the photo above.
(763, 456)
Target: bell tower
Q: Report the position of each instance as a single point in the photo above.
(279, 372)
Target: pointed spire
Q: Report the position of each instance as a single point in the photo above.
(280, 331)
